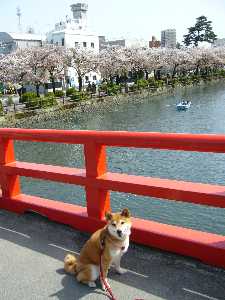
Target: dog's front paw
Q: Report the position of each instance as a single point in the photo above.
(92, 284)
(121, 271)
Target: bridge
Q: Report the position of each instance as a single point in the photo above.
(152, 274)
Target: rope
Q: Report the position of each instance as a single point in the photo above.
(106, 285)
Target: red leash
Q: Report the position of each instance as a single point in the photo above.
(106, 285)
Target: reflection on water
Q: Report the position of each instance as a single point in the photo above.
(206, 115)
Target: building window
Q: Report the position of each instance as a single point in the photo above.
(85, 44)
(76, 44)
(86, 78)
(94, 77)
(63, 42)
(92, 45)
(51, 41)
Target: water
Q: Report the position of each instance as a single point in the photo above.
(206, 115)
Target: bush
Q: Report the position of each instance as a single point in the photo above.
(59, 93)
(28, 97)
(142, 83)
(154, 83)
(221, 72)
(50, 94)
(47, 101)
(184, 80)
(75, 96)
(103, 87)
(113, 89)
(195, 79)
(70, 91)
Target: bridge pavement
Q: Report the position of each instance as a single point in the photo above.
(32, 250)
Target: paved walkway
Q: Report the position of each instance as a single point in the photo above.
(31, 267)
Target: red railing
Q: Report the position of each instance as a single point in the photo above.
(210, 248)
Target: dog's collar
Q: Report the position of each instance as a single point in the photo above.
(108, 235)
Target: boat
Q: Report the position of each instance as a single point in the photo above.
(183, 105)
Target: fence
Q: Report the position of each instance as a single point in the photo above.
(98, 182)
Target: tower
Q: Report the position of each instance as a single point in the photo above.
(19, 14)
(79, 11)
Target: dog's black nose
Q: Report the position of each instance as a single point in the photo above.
(119, 232)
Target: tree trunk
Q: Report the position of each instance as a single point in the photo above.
(37, 90)
(197, 70)
(146, 75)
(53, 84)
(80, 83)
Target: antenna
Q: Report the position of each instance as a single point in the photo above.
(19, 14)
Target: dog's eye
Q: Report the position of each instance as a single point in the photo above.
(114, 224)
(122, 223)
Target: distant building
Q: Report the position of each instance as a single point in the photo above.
(168, 38)
(10, 41)
(74, 33)
(103, 43)
(219, 43)
(154, 43)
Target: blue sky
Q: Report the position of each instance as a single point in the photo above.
(117, 18)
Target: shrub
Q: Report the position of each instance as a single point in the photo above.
(184, 80)
(59, 93)
(154, 83)
(47, 101)
(70, 91)
(75, 96)
(83, 95)
(50, 94)
(103, 87)
(142, 83)
(195, 79)
(28, 96)
(113, 89)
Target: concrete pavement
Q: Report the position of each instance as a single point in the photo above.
(31, 267)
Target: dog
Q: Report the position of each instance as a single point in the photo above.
(111, 242)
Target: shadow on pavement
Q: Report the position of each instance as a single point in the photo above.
(150, 272)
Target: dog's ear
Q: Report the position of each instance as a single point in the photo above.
(125, 213)
(108, 216)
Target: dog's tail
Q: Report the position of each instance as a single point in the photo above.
(70, 264)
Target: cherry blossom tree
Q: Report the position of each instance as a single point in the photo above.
(83, 61)
(55, 63)
(37, 74)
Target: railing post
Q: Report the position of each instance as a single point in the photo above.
(98, 200)
(10, 184)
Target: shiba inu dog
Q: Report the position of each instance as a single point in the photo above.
(110, 242)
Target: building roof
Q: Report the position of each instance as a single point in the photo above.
(20, 36)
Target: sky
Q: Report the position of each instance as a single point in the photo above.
(117, 18)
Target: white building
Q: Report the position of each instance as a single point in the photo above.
(168, 38)
(73, 32)
(10, 41)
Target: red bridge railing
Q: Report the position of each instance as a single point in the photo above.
(210, 248)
